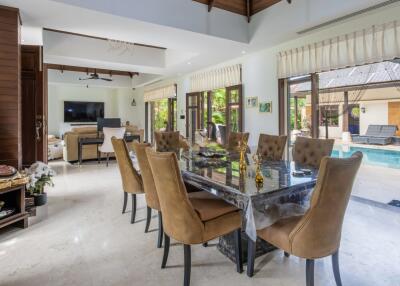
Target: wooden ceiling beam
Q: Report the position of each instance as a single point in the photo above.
(89, 70)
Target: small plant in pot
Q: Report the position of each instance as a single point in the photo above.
(40, 176)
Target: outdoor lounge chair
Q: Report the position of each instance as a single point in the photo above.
(377, 135)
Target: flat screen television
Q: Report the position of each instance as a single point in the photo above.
(78, 111)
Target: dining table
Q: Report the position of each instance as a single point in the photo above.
(285, 192)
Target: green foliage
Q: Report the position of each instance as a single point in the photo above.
(40, 184)
(160, 114)
(301, 102)
(218, 106)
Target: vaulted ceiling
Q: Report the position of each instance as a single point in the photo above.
(243, 7)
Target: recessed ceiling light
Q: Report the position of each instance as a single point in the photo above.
(189, 63)
(243, 52)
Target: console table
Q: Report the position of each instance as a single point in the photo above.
(98, 141)
(14, 196)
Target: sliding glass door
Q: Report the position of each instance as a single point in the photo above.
(163, 115)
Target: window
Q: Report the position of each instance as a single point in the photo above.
(329, 113)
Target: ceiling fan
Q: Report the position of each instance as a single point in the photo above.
(96, 76)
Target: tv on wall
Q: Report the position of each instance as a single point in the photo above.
(77, 111)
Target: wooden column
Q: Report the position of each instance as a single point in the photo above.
(346, 111)
(146, 122)
(296, 112)
(10, 94)
(315, 105)
(281, 98)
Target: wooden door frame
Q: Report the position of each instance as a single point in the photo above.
(228, 90)
(197, 106)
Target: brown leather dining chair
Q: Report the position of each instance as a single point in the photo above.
(131, 180)
(317, 233)
(190, 221)
(168, 141)
(271, 147)
(235, 138)
(149, 189)
(310, 151)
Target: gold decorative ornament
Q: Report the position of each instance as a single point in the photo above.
(259, 179)
(243, 149)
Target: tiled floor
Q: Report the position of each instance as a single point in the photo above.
(85, 240)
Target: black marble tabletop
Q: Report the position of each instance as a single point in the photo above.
(283, 194)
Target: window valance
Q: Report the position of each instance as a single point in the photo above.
(218, 78)
(160, 93)
(375, 44)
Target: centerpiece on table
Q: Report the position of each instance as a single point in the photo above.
(40, 175)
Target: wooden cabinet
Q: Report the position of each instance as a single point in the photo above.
(10, 107)
(14, 197)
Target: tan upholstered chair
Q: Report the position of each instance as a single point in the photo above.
(149, 188)
(309, 151)
(167, 141)
(188, 221)
(317, 233)
(271, 147)
(131, 180)
(234, 140)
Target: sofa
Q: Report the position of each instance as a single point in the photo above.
(89, 152)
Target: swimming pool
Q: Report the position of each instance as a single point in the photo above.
(379, 157)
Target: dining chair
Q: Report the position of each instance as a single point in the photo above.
(190, 221)
(317, 233)
(149, 189)
(107, 146)
(271, 147)
(167, 141)
(131, 180)
(310, 151)
(235, 138)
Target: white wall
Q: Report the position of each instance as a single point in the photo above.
(117, 103)
(376, 112)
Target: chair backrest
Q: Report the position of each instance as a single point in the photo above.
(271, 147)
(222, 134)
(374, 130)
(318, 233)
(388, 130)
(310, 151)
(147, 176)
(167, 141)
(235, 138)
(118, 133)
(180, 220)
(212, 131)
(131, 180)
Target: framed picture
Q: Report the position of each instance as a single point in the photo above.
(252, 102)
(265, 107)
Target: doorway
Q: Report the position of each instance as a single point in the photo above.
(163, 115)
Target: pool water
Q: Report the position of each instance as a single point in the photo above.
(378, 157)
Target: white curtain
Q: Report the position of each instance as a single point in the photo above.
(160, 93)
(375, 44)
(218, 78)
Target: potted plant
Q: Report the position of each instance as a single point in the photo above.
(40, 175)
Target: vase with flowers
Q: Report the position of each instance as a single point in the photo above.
(40, 175)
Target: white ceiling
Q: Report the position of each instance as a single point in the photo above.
(194, 38)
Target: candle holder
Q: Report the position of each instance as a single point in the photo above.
(243, 150)
(259, 179)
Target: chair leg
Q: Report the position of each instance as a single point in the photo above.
(166, 251)
(336, 270)
(125, 202)
(238, 250)
(188, 265)
(251, 254)
(205, 244)
(286, 254)
(160, 230)
(108, 158)
(133, 208)
(310, 272)
(148, 219)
